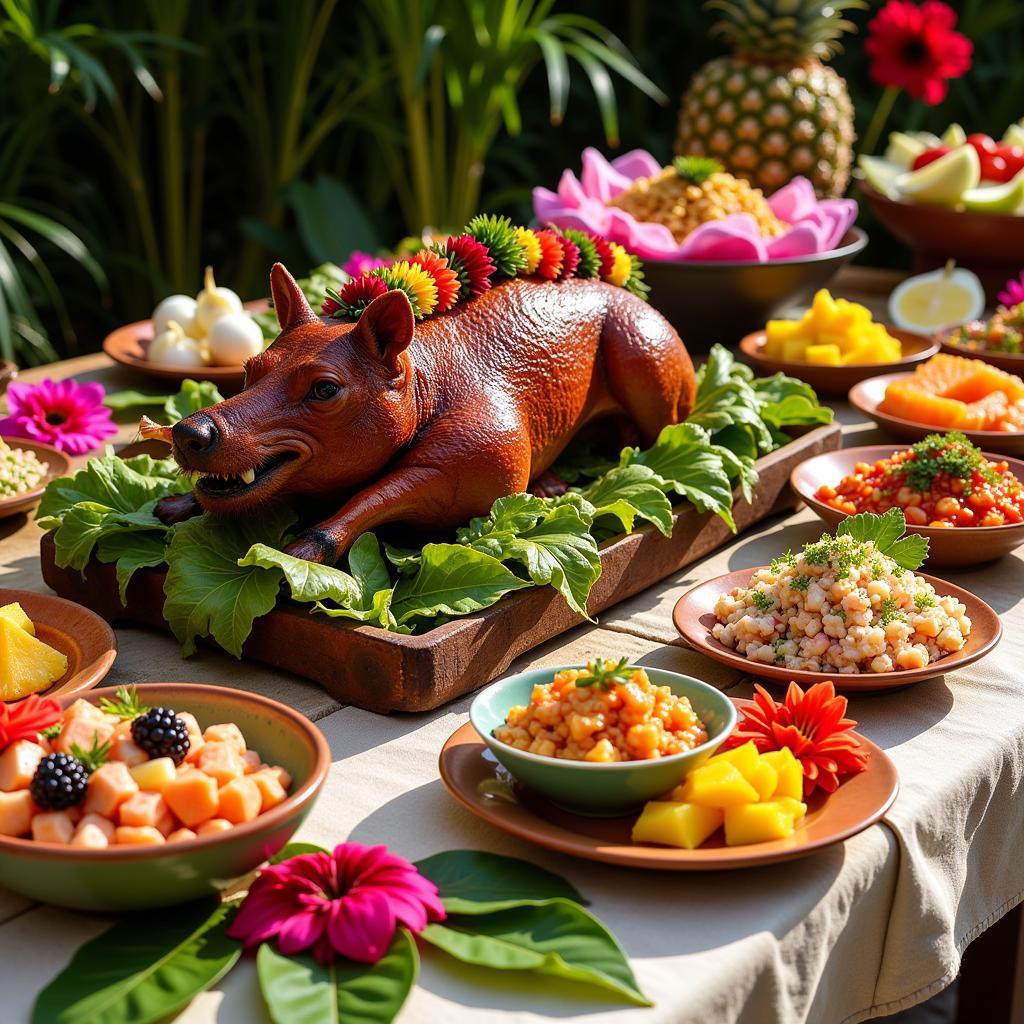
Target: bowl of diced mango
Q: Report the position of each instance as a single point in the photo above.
(835, 345)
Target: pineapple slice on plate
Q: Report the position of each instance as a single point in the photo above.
(773, 109)
(27, 665)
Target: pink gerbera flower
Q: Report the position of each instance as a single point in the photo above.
(1013, 294)
(70, 416)
(360, 263)
(347, 903)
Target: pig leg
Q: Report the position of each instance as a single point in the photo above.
(429, 488)
(176, 508)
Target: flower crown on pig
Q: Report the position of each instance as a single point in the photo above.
(490, 248)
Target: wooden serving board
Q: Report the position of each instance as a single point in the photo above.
(381, 671)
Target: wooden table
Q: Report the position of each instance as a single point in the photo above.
(869, 927)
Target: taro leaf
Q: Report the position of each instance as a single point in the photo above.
(405, 560)
(514, 513)
(193, 396)
(559, 938)
(887, 531)
(298, 990)
(452, 580)
(738, 467)
(144, 969)
(630, 491)
(120, 400)
(207, 592)
(307, 581)
(290, 850)
(367, 566)
(131, 551)
(475, 882)
(560, 550)
(88, 522)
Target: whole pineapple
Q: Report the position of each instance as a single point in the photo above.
(773, 109)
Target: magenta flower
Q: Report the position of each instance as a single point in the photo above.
(360, 262)
(349, 903)
(70, 416)
(1014, 293)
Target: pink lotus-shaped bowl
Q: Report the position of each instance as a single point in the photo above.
(815, 226)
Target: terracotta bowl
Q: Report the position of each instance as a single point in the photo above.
(837, 380)
(58, 464)
(8, 371)
(1003, 360)
(127, 346)
(142, 877)
(868, 394)
(694, 617)
(990, 244)
(961, 545)
(719, 301)
(85, 639)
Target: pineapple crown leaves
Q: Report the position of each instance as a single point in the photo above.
(783, 29)
(499, 235)
(590, 260)
(126, 703)
(696, 169)
(604, 674)
(92, 758)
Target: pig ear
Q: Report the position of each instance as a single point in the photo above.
(289, 303)
(386, 327)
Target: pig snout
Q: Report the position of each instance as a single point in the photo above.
(195, 435)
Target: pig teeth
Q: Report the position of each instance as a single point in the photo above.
(248, 476)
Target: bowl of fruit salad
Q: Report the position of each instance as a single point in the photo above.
(968, 503)
(959, 196)
(602, 738)
(834, 345)
(998, 339)
(141, 797)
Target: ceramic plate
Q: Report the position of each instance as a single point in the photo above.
(1003, 360)
(79, 634)
(127, 346)
(480, 784)
(837, 380)
(58, 464)
(694, 616)
(867, 395)
(961, 545)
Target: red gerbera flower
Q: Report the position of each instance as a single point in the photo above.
(27, 719)
(470, 261)
(552, 253)
(570, 258)
(445, 278)
(604, 251)
(812, 725)
(916, 48)
(356, 295)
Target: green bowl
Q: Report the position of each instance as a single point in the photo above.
(600, 790)
(139, 878)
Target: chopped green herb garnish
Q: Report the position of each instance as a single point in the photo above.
(840, 611)
(605, 678)
(51, 732)
(93, 757)
(764, 602)
(801, 583)
(125, 705)
(877, 570)
(923, 601)
(778, 564)
(952, 454)
(890, 611)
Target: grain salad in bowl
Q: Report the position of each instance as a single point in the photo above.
(846, 604)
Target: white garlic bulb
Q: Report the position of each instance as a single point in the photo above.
(175, 307)
(233, 339)
(174, 347)
(213, 302)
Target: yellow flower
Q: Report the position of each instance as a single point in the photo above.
(420, 286)
(530, 244)
(622, 267)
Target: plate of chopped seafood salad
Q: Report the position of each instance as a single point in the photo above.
(849, 607)
(26, 467)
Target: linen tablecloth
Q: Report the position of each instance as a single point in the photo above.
(861, 929)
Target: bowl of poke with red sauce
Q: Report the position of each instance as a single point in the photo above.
(968, 503)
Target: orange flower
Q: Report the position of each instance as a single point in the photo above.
(812, 725)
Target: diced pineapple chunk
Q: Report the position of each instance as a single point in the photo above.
(823, 355)
(790, 773)
(154, 776)
(797, 807)
(676, 824)
(27, 665)
(823, 309)
(13, 612)
(718, 784)
(794, 349)
(745, 758)
(757, 823)
(764, 778)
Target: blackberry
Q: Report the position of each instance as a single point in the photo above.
(161, 733)
(60, 781)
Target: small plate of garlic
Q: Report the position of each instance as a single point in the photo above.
(208, 337)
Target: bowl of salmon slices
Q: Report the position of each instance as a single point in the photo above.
(137, 797)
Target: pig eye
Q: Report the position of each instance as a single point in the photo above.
(322, 390)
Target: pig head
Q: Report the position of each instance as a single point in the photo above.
(324, 409)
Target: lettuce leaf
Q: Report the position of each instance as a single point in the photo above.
(192, 396)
